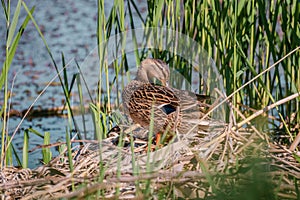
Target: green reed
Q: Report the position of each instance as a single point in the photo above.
(12, 41)
(47, 154)
(25, 149)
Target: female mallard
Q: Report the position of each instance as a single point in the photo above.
(173, 110)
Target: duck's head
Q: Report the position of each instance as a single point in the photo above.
(153, 71)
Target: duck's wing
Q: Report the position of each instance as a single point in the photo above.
(190, 100)
(148, 98)
(193, 107)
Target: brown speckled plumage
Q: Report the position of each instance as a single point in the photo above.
(173, 109)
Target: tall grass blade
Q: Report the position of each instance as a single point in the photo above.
(6, 10)
(85, 82)
(9, 154)
(69, 148)
(15, 154)
(82, 108)
(13, 48)
(13, 25)
(70, 157)
(65, 75)
(35, 132)
(25, 149)
(46, 151)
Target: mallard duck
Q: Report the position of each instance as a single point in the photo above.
(174, 110)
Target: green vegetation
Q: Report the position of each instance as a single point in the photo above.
(245, 39)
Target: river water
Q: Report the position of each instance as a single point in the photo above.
(69, 27)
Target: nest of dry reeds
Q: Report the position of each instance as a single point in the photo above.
(199, 165)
